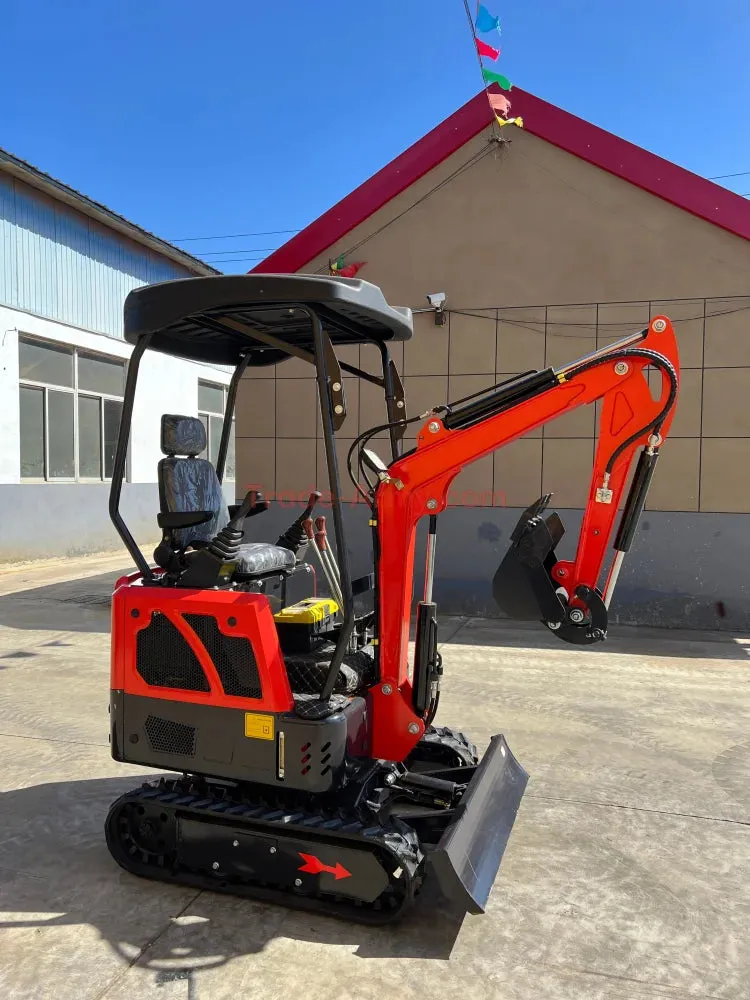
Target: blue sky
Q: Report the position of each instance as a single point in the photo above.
(199, 119)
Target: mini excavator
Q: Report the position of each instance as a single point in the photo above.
(304, 766)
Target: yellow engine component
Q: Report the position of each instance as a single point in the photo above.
(304, 625)
(311, 611)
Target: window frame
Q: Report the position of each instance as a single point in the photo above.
(76, 393)
(205, 415)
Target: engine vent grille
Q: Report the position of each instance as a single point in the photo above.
(166, 736)
(164, 659)
(232, 656)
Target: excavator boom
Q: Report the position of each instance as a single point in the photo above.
(531, 582)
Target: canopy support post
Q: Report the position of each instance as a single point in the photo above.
(121, 454)
(226, 428)
(329, 436)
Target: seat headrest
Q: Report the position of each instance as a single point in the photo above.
(182, 435)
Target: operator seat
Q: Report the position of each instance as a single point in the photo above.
(188, 483)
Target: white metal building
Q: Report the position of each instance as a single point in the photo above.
(66, 266)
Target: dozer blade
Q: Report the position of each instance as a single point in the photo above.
(467, 858)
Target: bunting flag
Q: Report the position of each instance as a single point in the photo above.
(499, 104)
(486, 22)
(337, 268)
(351, 269)
(486, 50)
(502, 81)
(509, 121)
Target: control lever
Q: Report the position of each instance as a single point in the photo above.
(332, 582)
(295, 537)
(213, 566)
(226, 544)
(259, 506)
(321, 537)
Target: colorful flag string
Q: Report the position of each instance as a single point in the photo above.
(484, 23)
(499, 104)
(502, 81)
(486, 50)
(337, 268)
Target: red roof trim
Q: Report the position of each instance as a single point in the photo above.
(589, 142)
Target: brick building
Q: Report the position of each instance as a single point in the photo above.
(547, 242)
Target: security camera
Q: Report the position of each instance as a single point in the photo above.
(437, 302)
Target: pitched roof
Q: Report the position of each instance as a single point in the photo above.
(674, 184)
(36, 178)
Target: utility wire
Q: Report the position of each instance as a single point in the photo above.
(285, 232)
(236, 260)
(216, 253)
(235, 236)
(723, 177)
(456, 173)
(541, 326)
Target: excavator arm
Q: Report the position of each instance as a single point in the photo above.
(531, 582)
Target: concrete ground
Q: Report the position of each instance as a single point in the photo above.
(627, 874)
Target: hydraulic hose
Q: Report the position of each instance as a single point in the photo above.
(659, 361)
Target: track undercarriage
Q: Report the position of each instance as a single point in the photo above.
(360, 855)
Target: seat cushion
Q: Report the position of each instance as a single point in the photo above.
(190, 484)
(256, 558)
(307, 671)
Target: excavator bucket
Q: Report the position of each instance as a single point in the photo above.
(523, 587)
(468, 855)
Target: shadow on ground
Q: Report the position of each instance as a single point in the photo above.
(621, 639)
(73, 606)
(84, 606)
(55, 868)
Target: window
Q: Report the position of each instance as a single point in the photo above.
(212, 402)
(70, 408)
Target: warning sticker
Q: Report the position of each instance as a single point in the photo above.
(258, 727)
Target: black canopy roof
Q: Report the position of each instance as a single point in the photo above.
(188, 317)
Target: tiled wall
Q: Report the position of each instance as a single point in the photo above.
(704, 465)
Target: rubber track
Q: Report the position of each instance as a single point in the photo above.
(443, 736)
(178, 796)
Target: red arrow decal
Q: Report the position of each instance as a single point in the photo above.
(315, 866)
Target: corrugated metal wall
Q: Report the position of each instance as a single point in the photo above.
(60, 264)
